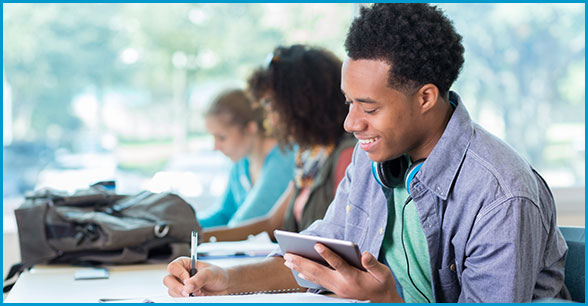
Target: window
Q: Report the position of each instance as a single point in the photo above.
(116, 91)
(523, 80)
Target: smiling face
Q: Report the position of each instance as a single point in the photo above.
(386, 122)
(232, 140)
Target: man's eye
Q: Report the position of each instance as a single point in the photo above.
(348, 103)
(370, 111)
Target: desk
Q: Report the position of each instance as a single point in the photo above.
(56, 284)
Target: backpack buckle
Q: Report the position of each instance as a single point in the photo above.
(161, 230)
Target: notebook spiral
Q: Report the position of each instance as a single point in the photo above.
(266, 291)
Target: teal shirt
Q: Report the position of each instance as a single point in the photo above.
(242, 200)
(416, 248)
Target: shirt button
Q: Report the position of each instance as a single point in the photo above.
(452, 267)
(381, 230)
(347, 208)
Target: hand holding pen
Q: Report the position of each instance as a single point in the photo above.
(182, 278)
(210, 279)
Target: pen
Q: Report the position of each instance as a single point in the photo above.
(193, 254)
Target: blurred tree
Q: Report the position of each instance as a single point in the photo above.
(53, 52)
(524, 66)
(190, 43)
(518, 57)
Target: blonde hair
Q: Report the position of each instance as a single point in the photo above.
(238, 107)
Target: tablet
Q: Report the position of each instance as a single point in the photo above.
(303, 245)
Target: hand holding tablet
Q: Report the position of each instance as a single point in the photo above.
(303, 245)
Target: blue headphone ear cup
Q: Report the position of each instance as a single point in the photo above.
(411, 172)
(390, 174)
(376, 173)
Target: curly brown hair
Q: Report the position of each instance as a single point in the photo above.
(304, 83)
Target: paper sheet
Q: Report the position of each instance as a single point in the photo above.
(258, 245)
(295, 297)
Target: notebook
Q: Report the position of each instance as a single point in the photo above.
(258, 245)
(295, 297)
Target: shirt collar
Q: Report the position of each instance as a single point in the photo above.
(441, 166)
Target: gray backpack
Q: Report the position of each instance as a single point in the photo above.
(96, 226)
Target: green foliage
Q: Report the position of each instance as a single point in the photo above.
(53, 52)
(522, 64)
(523, 77)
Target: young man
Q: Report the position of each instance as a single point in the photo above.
(473, 223)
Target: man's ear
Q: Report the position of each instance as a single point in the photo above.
(427, 97)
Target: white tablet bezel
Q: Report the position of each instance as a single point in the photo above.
(303, 245)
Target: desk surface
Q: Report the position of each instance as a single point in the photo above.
(56, 284)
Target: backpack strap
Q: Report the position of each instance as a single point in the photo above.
(15, 270)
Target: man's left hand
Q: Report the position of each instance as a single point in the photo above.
(375, 284)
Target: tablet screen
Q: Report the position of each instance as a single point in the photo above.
(303, 245)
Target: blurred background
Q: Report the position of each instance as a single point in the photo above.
(116, 91)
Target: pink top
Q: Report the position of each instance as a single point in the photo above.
(302, 197)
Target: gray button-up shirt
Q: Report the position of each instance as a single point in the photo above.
(488, 217)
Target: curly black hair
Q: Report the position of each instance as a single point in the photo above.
(416, 39)
(304, 83)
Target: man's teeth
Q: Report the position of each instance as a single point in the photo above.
(365, 141)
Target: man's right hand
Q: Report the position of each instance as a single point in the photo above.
(210, 279)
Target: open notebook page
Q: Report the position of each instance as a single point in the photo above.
(258, 245)
(296, 297)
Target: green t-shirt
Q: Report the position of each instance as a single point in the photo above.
(416, 247)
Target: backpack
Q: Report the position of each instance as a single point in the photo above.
(96, 226)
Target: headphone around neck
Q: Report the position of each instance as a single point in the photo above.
(396, 172)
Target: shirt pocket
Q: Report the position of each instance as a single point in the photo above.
(356, 221)
(449, 283)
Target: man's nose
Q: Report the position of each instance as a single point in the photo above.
(353, 122)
